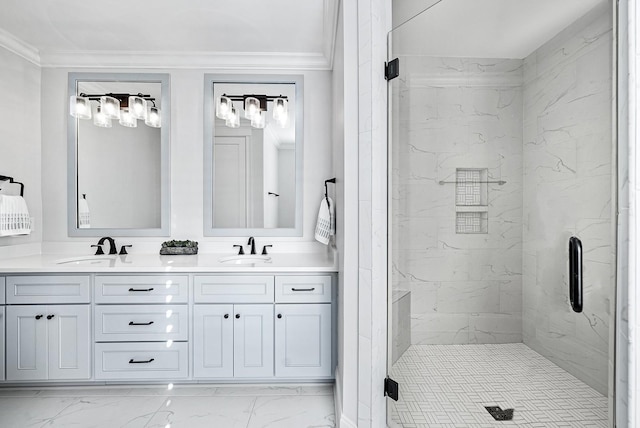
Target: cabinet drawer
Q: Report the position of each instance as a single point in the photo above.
(48, 289)
(233, 289)
(142, 289)
(128, 361)
(145, 323)
(1, 290)
(303, 289)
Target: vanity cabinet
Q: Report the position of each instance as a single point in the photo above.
(141, 327)
(49, 341)
(233, 341)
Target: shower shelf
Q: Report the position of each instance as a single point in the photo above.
(472, 208)
(499, 182)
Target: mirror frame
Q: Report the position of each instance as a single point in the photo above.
(164, 80)
(209, 135)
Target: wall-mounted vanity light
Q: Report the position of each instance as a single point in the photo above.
(255, 109)
(126, 108)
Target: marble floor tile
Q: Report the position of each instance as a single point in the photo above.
(31, 411)
(268, 390)
(203, 412)
(106, 412)
(302, 412)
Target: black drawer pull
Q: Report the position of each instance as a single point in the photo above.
(140, 323)
(39, 316)
(141, 289)
(132, 361)
(303, 289)
(50, 316)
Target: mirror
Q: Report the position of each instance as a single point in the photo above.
(253, 155)
(118, 169)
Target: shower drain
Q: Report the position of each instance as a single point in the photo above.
(499, 414)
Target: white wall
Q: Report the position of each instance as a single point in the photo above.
(20, 135)
(187, 101)
(345, 168)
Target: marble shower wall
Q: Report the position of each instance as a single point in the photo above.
(567, 191)
(458, 113)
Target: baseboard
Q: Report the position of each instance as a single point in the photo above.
(341, 420)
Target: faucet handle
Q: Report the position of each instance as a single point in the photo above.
(123, 249)
(99, 251)
(264, 249)
(241, 251)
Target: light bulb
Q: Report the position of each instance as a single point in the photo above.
(223, 107)
(80, 107)
(138, 107)
(251, 107)
(259, 120)
(100, 119)
(154, 119)
(127, 119)
(233, 119)
(279, 108)
(110, 107)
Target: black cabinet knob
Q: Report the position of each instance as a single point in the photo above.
(39, 316)
(50, 316)
(279, 315)
(226, 316)
(237, 316)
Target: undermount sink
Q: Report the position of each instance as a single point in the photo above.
(88, 261)
(244, 260)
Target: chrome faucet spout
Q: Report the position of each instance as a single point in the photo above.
(252, 242)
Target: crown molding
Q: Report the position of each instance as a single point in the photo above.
(186, 60)
(19, 47)
(330, 29)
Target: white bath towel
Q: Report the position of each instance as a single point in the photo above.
(14, 216)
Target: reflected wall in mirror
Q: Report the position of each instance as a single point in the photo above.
(253, 155)
(118, 154)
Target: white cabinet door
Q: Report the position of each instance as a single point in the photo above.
(48, 342)
(303, 340)
(69, 341)
(26, 343)
(253, 341)
(213, 340)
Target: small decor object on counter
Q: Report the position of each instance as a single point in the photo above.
(179, 248)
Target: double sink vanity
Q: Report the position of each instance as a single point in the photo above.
(151, 318)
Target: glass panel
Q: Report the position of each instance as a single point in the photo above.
(500, 150)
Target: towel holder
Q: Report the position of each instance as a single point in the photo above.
(5, 178)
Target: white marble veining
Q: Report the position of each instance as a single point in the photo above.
(282, 406)
(567, 191)
(454, 113)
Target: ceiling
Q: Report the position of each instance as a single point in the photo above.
(206, 33)
(482, 28)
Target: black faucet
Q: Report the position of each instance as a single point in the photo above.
(112, 245)
(252, 242)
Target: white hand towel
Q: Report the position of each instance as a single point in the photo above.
(84, 216)
(14, 216)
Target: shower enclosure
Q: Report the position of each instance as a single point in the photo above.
(501, 148)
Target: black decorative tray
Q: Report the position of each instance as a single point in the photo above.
(179, 248)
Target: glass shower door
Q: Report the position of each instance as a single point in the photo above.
(500, 152)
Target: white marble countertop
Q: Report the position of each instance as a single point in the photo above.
(200, 263)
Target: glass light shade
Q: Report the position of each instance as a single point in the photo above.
(280, 106)
(154, 118)
(110, 107)
(223, 107)
(259, 120)
(127, 119)
(138, 107)
(101, 119)
(233, 119)
(251, 107)
(80, 107)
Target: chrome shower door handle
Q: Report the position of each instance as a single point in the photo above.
(575, 274)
